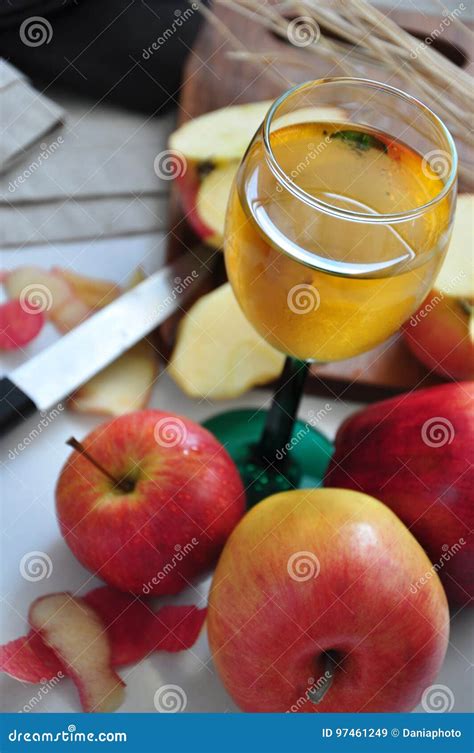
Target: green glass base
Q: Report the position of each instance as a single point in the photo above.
(300, 464)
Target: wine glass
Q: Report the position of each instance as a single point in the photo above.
(337, 224)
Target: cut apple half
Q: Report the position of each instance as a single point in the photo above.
(221, 135)
(79, 639)
(93, 292)
(123, 386)
(218, 354)
(37, 289)
(212, 199)
(456, 276)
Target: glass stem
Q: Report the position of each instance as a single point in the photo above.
(282, 414)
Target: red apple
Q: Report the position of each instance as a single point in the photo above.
(441, 333)
(414, 452)
(163, 521)
(312, 608)
(19, 325)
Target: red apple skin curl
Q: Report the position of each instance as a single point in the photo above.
(414, 453)
(274, 618)
(186, 500)
(18, 326)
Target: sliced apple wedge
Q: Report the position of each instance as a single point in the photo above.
(456, 276)
(37, 289)
(125, 385)
(212, 198)
(78, 638)
(93, 292)
(71, 313)
(221, 135)
(212, 146)
(218, 354)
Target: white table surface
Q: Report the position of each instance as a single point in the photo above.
(29, 523)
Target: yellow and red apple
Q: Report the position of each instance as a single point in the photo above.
(314, 608)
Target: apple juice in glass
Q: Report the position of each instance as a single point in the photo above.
(336, 228)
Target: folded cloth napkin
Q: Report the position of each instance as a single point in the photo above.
(25, 118)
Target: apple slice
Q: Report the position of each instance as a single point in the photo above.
(220, 135)
(123, 386)
(77, 636)
(218, 354)
(37, 289)
(93, 292)
(71, 313)
(212, 198)
(18, 325)
(137, 276)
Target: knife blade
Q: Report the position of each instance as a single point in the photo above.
(57, 371)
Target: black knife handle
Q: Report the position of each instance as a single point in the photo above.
(15, 406)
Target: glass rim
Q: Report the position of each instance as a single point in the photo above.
(283, 177)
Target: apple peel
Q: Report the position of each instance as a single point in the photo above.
(18, 325)
(134, 631)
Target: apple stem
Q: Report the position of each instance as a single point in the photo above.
(316, 695)
(124, 484)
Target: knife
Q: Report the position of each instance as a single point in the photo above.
(57, 371)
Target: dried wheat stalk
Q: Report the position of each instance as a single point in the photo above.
(374, 38)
